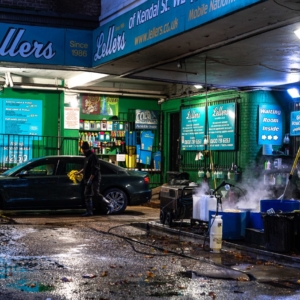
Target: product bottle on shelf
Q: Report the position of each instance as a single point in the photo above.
(229, 174)
(207, 174)
(278, 179)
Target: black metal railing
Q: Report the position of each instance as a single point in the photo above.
(15, 149)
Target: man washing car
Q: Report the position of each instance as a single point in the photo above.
(92, 178)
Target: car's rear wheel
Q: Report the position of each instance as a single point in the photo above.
(118, 199)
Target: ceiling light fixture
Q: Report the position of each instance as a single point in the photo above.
(198, 86)
(84, 78)
(297, 32)
(294, 93)
(8, 80)
(50, 88)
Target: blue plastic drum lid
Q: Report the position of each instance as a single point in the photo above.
(234, 224)
(283, 205)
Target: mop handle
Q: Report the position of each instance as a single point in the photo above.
(295, 163)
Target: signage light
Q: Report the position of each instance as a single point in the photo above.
(294, 93)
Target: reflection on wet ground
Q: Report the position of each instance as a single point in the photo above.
(99, 261)
(16, 273)
(33, 287)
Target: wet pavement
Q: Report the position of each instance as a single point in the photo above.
(60, 255)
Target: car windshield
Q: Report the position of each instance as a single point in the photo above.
(15, 168)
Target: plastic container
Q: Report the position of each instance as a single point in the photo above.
(196, 207)
(256, 220)
(206, 203)
(279, 232)
(211, 204)
(267, 150)
(279, 205)
(203, 207)
(234, 224)
(216, 231)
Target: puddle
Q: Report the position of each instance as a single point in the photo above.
(25, 286)
(17, 271)
(7, 270)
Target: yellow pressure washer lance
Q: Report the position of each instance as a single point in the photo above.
(291, 173)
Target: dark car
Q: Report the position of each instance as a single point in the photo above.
(45, 183)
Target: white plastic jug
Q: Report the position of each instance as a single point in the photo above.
(210, 205)
(216, 234)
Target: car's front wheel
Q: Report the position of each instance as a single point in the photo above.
(117, 198)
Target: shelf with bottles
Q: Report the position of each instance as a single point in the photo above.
(101, 136)
(112, 147)
(222, 173)
(104, 125)
(276, 179)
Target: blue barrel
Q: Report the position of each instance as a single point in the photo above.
(256, 220)
(277, 205)
(234, 224)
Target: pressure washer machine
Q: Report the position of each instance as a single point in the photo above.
(176, 199)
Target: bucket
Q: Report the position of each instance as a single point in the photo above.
(279, 232)
(256, 221)
(279, 205)
(234, 224)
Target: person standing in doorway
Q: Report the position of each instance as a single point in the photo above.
(92, 178)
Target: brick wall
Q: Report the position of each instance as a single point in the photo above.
(60, 13)
(79, 7)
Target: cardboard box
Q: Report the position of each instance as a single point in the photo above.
(145, 157)
(147, 139)
(157, 160)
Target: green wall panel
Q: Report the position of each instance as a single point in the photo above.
(248, 153)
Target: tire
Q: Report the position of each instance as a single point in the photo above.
(162, 217)
(118, 198)
(169, 219)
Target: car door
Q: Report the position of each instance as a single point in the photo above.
(34, 186)
(109, 177)
(69, 189)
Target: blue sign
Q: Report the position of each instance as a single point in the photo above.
(155, 21)
(221, 126)
(192, 128)
(295, 123)
(22, 117)
(15, 149)
(146, 119)
(270, 125)
(45, 45)
(19, 117)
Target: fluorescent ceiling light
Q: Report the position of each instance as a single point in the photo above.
(198, 86)
(297, 32)
(84, 78)
(294, 93)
